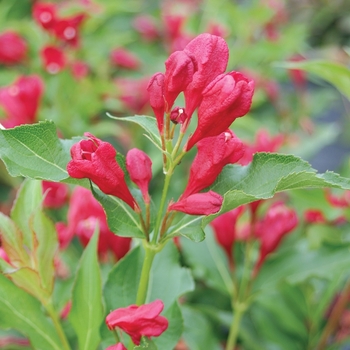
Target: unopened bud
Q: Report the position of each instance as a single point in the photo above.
(178, 115)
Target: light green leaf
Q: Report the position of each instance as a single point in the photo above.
(146, 343)
(87, 314)
(149, 124)
(268, 174)
(23, 312)
(121, 219)
(34, 151)
(334, 73)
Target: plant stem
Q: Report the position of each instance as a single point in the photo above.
(146, 269)
(334, 317)
(53, 315)
(162, 205)
(239, 309)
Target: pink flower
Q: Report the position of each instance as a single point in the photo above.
(226, 98)
(124, 59)
(139, 167)
(340, 201)
(95, 160)
(56, 194)
(225, 229)
(118, 346)
(133, 93)
(211, 55)
(53, 59)
(278, 221)
(13, 48)
(263, 143)
(67, 29)
(21, 100)
(84, 213)
(65, 234)
(4, 256)
(213, 154)
(80, 69)
(45, 14)
(298, 76)
(199, 204)
(138, 321)
(147, 27)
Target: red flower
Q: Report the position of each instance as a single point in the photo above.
(155, 90)
(53, 59)
(226, 98)
(314, 216)
(180, 68)
(213, 154)
(341, 201)
(278, 221)
(225, 229)
(95, 160)
(56, 194)
(199, 204)
(118, 346)
(67, 29)
(21, 100)
(211, 55)
(84, 213)
(13, 48)
(124, 59)
(45, 14)
(138, 321)
(139, 166)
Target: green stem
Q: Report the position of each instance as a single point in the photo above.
(162, 205)
(239, 309)
(53, 315)
(146, 269)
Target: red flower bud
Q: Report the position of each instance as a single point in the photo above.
(139, 166)
(53, 58)
(138, 321)
(95, 160)
(124, 59)
(155, 90)
(56, 194)
(66, 29)
(21, 101)
(199, 204)
(278, 221)
(225, 229)
(211, 55)
(180, 68)
(213, 154)
(178, 115)
(226, 98)
(13, 48)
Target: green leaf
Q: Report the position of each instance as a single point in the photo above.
(149, 124)
(121, 219)
(208, 263)
(28, 201)
(198, 333)
(189, 227)
(87, 314)
(23, 312)
(34, 151)
(268, 174)
(334, 73)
